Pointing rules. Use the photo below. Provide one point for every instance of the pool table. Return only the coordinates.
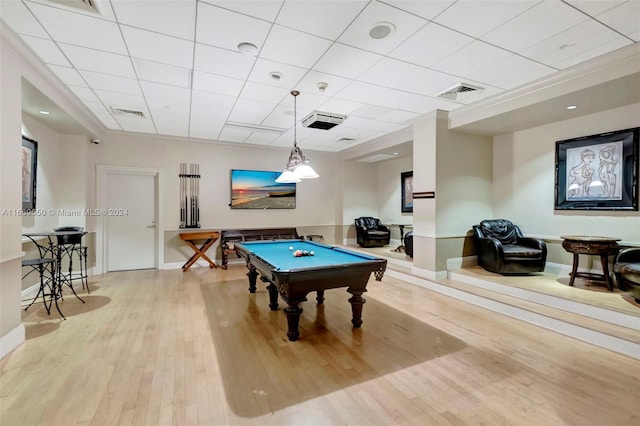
(294, 277)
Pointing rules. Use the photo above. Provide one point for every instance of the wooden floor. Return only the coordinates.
(195, 348)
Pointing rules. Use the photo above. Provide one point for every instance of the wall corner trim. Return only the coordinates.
(12, 340)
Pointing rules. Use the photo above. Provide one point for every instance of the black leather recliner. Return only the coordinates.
(371, 233)
(408, 243)
(502, 248)
(626, 267)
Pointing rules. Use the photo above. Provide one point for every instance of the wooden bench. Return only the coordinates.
(228, 238)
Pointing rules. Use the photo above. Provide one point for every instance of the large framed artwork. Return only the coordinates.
(258, 189)
(406, 182)
(29, 169)
(598, 172)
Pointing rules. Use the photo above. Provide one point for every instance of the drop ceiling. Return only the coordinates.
(177, 62)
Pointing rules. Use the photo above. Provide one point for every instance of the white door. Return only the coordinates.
(130, 216)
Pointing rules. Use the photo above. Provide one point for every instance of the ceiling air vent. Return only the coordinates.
(121, 112)
(86, 5)
(346, 139)
(455, 91)
(323, 120)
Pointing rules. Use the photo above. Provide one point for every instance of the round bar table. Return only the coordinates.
(592, 245)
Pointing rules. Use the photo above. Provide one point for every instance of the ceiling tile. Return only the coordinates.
(262, 92)
(339, 106)
(595, 7)
(113, 83)
(346, 61)
(370, 111)
(470, 59)
(158, 47)
(217, 83)
(293, 47)
(476, 18)
(576, 40)
(289, 75)
(258, 138)
(263, 9)
(399, 117)
(429, 45)
(396, 99)
(212, 100)
(592, 53)
(405, 24)
(20, 19)
(326, 19)
(83, 58)
(223, 28)
(166, 92)
(231, 134)
(280, 117)
(122, 100)
(172, 17)
(223, 62)
(84, 94)
(425, 9)
(510, 70)
(624, 18)
(68, 75)
(78, 29)
(426, 104)
(162, 73)
(250, 112)
(309, 84)
(46, 50)
(538, 23)
(361, 92)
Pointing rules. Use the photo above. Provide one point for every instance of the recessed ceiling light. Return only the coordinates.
(395, 153)
(247, 48)
(381, 30)
(572, 107)
(275, 75)
(43, 112)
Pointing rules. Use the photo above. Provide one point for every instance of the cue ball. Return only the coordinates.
(311, 253)
(290, 247)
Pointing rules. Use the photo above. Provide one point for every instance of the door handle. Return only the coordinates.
(153, 224)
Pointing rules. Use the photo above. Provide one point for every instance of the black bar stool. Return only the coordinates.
(67, 246)
(47, 269)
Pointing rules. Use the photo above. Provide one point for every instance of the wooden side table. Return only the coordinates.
(601, 246)
(208, 237)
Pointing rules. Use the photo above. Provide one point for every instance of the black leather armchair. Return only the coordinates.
(408, 244)
(371, 233)
(502, 248)
(626, 267)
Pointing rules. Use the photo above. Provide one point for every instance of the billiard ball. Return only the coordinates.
(290, 247)
(311, 253)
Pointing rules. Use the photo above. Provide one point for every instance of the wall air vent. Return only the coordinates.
(122, 112)
(323, 120)
(455, 91)
(86, 5)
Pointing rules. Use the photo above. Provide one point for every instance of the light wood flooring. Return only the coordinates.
(172, 348)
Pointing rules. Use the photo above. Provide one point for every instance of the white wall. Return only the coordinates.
(315, 198)
(359, 191)
(524, 179)
(389, 190)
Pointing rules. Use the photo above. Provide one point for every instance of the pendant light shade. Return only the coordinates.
(298, 165)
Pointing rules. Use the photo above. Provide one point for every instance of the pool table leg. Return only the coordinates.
(320, 297)
(273, 297)
(293, 312)
(356, 306)
(253, 275)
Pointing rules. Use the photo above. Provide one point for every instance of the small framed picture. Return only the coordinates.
(29, 169)
(406, 180)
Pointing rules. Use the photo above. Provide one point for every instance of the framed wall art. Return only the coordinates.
(258, 189)
(29, 172)
(598, 172)
(406, 182)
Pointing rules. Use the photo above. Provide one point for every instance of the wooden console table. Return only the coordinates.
(601, 246)
(209, 238)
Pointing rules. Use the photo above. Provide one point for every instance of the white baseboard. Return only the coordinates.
(203, 263)
(12, 340)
